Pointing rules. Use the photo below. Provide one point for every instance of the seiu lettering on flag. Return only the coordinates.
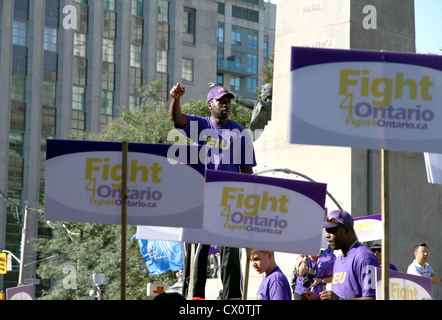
(161, 256)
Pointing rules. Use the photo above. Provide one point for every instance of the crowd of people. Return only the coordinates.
(349, 273)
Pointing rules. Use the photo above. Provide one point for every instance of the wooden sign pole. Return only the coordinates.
(123, 220)
(246, 275)
(386, 224)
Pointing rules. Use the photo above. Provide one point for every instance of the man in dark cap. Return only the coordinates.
(353, 271)
(228, 147)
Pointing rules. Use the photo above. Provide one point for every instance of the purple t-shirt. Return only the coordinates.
(229, 147)
(354, 274)
(274, 286)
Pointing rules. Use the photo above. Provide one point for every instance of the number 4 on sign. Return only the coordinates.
(350, 106)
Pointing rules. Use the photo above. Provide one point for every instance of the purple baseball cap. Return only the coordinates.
(218, 92)
(337, 217)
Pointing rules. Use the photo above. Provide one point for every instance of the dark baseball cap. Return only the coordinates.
(218, 92)
(338, 217)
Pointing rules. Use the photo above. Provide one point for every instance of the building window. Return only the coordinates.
(21, 9)
(78, 122)
(19, 59)
(107, 100)
(137, 30)
(252, 83)
(252, 62)
(252, 41)
(236, 38)
(109, 5)
(80, 71)
(235, 83)
(108, 76)
(220, 78)
(78, 98)
(162, 61)
(51, 13)
(137, 8)
(266, 48)
(79, 44)
(48, 118)
(15, 172)
(135, 55)
(19, 33)
(18, 111)
(134, 101)
(108, 50)
(50, 66)
(16, 144)
(187, 73)
(50, 39)
(189, 21)
(110, 25)
(82, 17)
(136, 78)
(220, 33)
(48, 94)
(246, 14)
(18, 88)
(163, 11)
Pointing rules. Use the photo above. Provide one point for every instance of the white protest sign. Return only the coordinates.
(248, 211)
(366, 99)
(405, 286)
(368, 228)
(83, 184)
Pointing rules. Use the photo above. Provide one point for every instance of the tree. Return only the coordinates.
(78, 250)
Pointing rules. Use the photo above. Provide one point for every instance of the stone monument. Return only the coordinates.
(353, 175)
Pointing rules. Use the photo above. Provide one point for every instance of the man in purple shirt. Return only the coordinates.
(275, 285)
(353, 271)
(228, 147)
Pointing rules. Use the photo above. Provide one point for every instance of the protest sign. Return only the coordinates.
(249, 211)
(83, 184)
(405, 286)
(366, 99)
(368, 228)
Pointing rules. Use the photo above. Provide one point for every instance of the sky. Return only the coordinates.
(428, 25)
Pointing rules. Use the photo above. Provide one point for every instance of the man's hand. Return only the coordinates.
(177, 91)
(328, 295)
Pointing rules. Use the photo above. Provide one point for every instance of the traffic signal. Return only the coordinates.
(3, 262)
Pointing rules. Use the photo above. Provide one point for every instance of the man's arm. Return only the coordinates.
(247, 170)
(434, 278)
(176, 116)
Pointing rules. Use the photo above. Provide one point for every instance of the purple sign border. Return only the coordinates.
(304, 57)
(313, 190)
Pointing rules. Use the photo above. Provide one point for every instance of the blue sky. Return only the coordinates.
(428, 23)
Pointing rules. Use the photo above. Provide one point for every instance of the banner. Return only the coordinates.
(248, 211)
(83, 184)
(161, 256)
(369, 228)
(404, 286)
(366, 99)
